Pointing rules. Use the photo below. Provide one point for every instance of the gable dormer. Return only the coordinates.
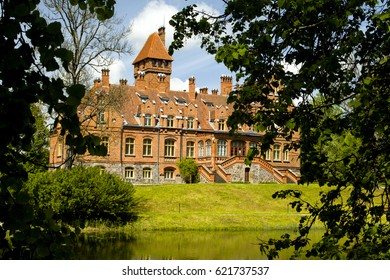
(153, 64)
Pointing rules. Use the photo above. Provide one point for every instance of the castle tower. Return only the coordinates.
(153, 65)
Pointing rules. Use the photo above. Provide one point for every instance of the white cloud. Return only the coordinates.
(293, 68)
(155, 14)
(178, 84)
(117, 71)
(190, 60)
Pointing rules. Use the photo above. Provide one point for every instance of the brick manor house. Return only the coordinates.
(148, 128)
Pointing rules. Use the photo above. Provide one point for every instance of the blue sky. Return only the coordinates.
(145, 17)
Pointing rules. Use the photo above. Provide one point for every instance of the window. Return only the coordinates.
(190, 123)
(100, 116)
(147, 173)
(166, 64)
(222, 146)
(59, 150)
(170, 121)
(208, 148)
(253, 145)
(148, 120)
(191, 149)
(277, 152)
(153, 62)
(129, 147)
(221, 125)
(169, 148)
(102, 169)
(238, 148)
(105, 143)
(286, 154)
(200, 149)
(147, 149)
(268, 154)
(168, 173)
(129, 172)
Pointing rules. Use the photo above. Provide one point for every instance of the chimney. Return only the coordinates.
(191, 87)
(123, 82)
(214, 91)
(161, 33)
(96, 82)
(203, 90)
(226, 84)
(105, 77)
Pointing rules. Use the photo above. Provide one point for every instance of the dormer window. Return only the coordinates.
(148, 120)
(190, 123)
(180, 100)
(100, 117)
(164, 99)
(221, 125)
(170, 121)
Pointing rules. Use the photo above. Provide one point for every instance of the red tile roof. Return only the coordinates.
(153, 48)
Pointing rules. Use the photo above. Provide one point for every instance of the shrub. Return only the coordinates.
(84, 194)
(188, 170)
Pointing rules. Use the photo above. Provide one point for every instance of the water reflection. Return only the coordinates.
(175, 245)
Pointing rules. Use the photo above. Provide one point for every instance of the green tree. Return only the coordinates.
(92, 41)
(82, 195)
(340, 50)
(33, 50)
(188, 170)
(37, 157)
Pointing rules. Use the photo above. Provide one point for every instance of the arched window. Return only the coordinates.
(237, 148)
(191, 149)
(168, 173)
(129, 147)
(59, 150)
(222, 147)
(169, 148)
(147, 173)
(147, 148)
(129, 172)
(286, 154)
(200, 149)
(208, 148)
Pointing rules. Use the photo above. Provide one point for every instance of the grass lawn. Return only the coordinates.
(218, 207)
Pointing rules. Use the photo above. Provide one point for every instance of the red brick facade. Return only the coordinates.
(148, 128)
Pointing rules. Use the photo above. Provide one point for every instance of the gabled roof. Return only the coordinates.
(153, 48)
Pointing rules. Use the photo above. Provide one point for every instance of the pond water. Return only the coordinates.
(161, 245)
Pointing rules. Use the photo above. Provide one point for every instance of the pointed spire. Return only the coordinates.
(154, 48)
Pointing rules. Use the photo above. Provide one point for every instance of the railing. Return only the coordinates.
(292, 175)
(206, 172)
(281, 178)
(223, 173)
